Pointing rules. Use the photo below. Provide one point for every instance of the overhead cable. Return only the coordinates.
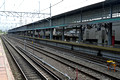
(2, 5)
(52, 5)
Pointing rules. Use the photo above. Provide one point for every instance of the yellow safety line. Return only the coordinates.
(84, 45)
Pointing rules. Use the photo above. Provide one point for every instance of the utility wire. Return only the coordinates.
(2, 5)
(20, 4)
(52, 5)
(57, 4)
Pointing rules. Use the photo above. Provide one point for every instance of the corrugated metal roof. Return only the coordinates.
(46, 27)
(94, 6)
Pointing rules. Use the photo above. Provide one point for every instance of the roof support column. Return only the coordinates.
(80, 35)
(111, 11)
(110, 28)
(81, 17)
(44, 37)
(33, 33)
(30, 34)
(110, 34)
(63, 37)
(27, 33)
(51, 34)
(20, 32)
(38, 33)
(24, 33)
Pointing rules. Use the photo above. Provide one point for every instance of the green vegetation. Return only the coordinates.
(2, 32)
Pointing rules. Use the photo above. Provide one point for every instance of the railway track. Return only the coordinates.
(27, 65)
(86, 57)
(102, 61)
(71, 63)
(27, 70)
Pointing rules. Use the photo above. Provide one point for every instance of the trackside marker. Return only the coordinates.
(76, 74)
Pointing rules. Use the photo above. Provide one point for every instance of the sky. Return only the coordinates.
(36, 6)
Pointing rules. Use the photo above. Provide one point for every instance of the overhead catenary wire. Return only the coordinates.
(2, 4)
(52, 5)
(20, 4)
(58, 3)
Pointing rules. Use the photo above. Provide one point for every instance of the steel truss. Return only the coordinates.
(22, 14)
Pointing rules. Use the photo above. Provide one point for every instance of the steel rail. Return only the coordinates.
(48, 71)
(37, 60)
(39, 50)
(92, 59)
(23, 72)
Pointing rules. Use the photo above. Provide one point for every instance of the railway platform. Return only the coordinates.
(5, 71)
